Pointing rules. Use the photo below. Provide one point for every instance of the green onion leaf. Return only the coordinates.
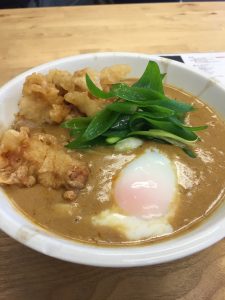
(189, 152)
(112, 139)
(162, 134)
(80, 143)
(192, 128)
(121, 123)
(134, 94)
(160, 111)
(163, 125)
(151, 78)
(95, 91)
(119, 133)
(139, 110)
(178, 106)
(143, 97)
(184, 147)
(101, 122)
(75, 132)
(123, 107)
(163, 75)
(77, 123)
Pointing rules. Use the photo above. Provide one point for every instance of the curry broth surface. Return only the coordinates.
(201, 183)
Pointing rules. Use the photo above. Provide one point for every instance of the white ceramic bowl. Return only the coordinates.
(22, 229)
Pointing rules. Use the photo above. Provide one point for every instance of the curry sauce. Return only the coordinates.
(201, 183)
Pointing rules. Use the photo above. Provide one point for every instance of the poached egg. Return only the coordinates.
(144, 194)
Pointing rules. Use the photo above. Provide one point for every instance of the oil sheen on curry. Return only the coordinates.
(119, 190)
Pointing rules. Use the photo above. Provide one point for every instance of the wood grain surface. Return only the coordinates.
(33, 36)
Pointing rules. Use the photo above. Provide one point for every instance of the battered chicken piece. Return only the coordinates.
(41, 101)
(84, 103)
(80, 97)
(61, 95)
(79, 79)
(113, 74)
(63, 80)
(26, 159)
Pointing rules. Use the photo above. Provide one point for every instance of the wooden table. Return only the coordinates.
(33, 36)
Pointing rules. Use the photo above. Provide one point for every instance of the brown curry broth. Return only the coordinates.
(200, 190)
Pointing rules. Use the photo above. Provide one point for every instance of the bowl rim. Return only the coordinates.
(76, 252)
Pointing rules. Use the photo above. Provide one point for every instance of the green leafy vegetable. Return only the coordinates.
(163, 135)
(95, 91)
(151, 78)
(163, 75)
(135, 94)
(122, 123)
(118, 133)
(101, 122)
(112, 139)
(170, 127)
(160, 111)
(180, 124)
(139, 110)
(123, 107)
(77, 123)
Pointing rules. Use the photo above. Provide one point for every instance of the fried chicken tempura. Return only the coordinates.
(57, 96)
(27, 159)
(41, 101)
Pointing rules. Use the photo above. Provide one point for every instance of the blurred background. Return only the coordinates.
(45, 3)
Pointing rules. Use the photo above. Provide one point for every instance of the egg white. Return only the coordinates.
(133, 228)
